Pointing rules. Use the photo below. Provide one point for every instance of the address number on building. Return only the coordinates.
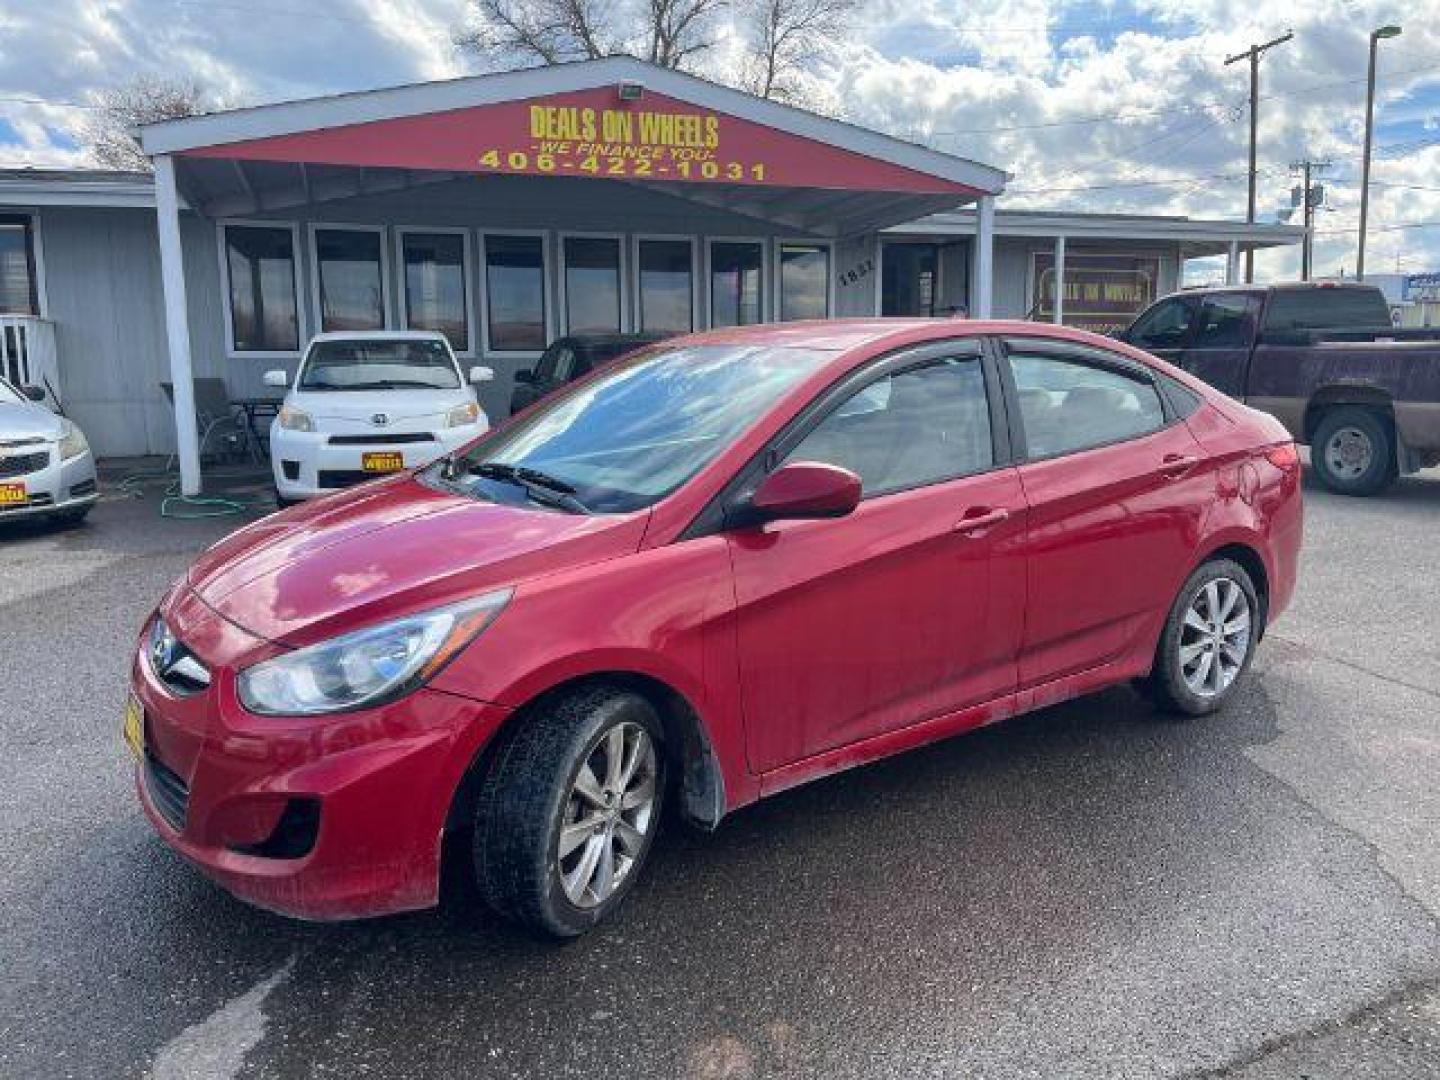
(524, 161)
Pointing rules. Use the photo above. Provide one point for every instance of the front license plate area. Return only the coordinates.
(382, 462)
(133, 727)
(13, 493)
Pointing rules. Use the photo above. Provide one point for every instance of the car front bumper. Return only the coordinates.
(307, 464)
(373, 789)
(56, 487)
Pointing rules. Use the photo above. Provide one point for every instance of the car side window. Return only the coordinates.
(1226, 321)
(1067, 404)
(913, 427)
(1164, 326)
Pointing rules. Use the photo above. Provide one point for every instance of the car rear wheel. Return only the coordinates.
(568, 810)
(1208, 641)
(1353, 452)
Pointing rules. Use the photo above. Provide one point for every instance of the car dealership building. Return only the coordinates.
(508, 210)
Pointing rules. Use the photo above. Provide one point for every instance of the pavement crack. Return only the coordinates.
(1391, 679)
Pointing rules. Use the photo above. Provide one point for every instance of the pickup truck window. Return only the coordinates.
(1227, 321)
(1327, 309)
(1164, 326)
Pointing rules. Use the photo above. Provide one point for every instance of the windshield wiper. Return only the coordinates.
(541, 487)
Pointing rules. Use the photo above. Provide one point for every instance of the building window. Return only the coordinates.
(18, 291)
(804, 281)
(667, 286)
(260, 261)
(909, 279)
(737, 283)
(436, 290)
(515, 293)
(592, 285)
(351, 279)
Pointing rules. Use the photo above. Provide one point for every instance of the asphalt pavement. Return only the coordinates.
(1090, 891)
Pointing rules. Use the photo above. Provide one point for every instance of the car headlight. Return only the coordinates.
(72, 442)
(369, 666)
(462, 415)
(293, 419)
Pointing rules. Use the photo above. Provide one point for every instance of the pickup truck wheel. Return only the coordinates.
(1353, 451)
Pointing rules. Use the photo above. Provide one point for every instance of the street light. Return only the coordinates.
(1375, 36)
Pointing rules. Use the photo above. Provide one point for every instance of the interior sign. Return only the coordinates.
(623, 142)
(1103, 292)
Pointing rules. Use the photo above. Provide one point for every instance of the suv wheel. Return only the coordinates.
(568, 810)
(1353, 451)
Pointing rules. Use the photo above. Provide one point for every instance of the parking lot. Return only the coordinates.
(1090, 891)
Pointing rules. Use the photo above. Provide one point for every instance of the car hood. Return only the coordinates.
(388, 549)
(28, 421)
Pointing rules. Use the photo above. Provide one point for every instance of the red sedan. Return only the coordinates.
(716, 569)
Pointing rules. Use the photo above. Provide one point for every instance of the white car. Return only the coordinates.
(45, 463)
(368, 403)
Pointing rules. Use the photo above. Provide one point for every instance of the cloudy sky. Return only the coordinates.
(1123, 106)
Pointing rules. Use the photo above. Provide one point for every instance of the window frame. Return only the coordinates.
(777, 284)
(637, 320)
(622, 276)
(482, 292)
(1085, 356)
(29, 220)
(467, 268)
(767, 277)
(312, 230)
(715, 516)
(302, 321)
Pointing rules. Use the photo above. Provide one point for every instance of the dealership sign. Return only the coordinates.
(1101, 292)
(593, 133)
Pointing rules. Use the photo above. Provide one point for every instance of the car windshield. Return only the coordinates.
(379, 365)
(9, 395)
(636, 432)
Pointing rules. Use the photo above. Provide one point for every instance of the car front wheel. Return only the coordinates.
(568, 810)
(1208, 640)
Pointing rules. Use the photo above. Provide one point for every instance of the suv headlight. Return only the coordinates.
(463, 414)
(72, 442)
(367, 667)
(293, 419)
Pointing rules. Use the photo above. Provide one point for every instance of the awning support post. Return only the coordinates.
(984, 256)
(177, 323)
(1059, 280)
(1232, 264)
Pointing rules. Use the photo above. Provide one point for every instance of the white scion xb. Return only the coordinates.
(366, 403)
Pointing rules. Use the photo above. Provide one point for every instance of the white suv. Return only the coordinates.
(369, 403)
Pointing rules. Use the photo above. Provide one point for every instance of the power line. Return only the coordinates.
(1385, 228)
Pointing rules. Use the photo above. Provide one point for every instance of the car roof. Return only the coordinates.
(379, 335)
(875, 334)
(1279, 286)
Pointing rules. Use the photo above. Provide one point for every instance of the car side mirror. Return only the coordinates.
(803, 490)
(34, 393)
(277, 378)
(480, 373)
(525, 375)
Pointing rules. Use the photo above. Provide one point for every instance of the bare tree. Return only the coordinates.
(108, 134)
(665, 32)
(786, 37)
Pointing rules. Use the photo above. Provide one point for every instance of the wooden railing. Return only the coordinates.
(28, 356)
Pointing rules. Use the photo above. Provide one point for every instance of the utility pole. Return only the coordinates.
(1376, 36)
(1254, 53)
(1311, 196)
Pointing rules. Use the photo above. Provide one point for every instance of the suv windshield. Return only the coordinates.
(636, 432)
(379, 365)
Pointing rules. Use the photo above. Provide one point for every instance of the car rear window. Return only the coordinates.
(1326, 309)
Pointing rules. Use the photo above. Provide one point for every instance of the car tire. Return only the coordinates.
(1182, 681)
(545, 838)
(1353, 451)
(282, 503)
(71, 519)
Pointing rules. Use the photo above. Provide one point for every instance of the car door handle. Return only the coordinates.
(979, 518)
(1177, 465)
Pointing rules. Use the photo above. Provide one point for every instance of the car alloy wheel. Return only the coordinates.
(608, 815)
(1349, 453)
(1214, 640)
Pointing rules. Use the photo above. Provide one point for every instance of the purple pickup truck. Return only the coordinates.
(1323, 359)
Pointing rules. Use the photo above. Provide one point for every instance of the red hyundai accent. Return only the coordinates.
(709, 572)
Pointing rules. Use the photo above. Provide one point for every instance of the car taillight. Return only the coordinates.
(1284, 456)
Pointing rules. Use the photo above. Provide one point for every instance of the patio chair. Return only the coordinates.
(215, 418)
